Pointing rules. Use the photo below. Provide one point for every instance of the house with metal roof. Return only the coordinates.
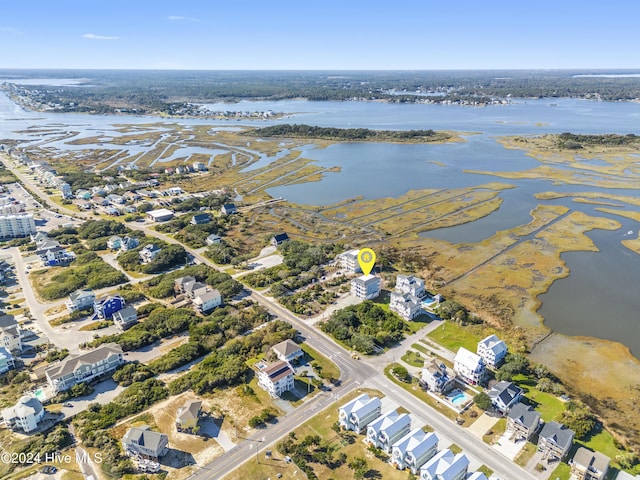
(470, 367)
(492, 350)
(414, 450)
(358, 413)
(384, 431)
(445, 466)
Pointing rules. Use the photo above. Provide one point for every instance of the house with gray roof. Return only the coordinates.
(386, 430)
(445, 466)
(125, 318)
(206, 300)
(522, 422)
(626, 476)
(555, 441)
(589, 465)
(359, 412)
(10, 334)
(143, 442)
(7, 362)
(436, 377)
(492, 350)
(24, 415)
(414, 450)
(80, 300)
(83, 368)
(505, 395)
(289, 351)
(188, 415)
(213, 239)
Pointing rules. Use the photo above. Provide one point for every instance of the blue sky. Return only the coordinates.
(326, 34)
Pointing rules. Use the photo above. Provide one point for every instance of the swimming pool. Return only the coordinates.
(458, 398)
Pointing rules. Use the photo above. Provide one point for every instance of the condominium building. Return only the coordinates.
(366, 287)
(15, 226)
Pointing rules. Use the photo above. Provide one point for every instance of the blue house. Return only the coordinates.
(106, 307)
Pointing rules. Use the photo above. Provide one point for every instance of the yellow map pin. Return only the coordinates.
(366, 260)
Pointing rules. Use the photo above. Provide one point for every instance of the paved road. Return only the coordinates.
(354, 373)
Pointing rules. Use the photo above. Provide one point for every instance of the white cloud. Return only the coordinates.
(92, 36)
(177, 18)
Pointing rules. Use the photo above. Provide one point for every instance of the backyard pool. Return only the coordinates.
(458, 398)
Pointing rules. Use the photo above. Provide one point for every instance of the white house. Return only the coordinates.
(414, 450)
(470, 367)
(437, 377)
(410, 284)
(7, 362)
(477, 476)
(492, 350)
(80, 300)
(149, 253)
(207, 301)
(445, 465)
(358, 413)
(384, 431)
(505, 395)
(406, 305)
(288, 351)
(366, 287)
(349, 261)
(24, 415)
(84, 368)
(213, 239)
(10, 334)
(276, 378)
(160, 215)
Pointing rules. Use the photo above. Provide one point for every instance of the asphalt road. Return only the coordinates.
(354, 373)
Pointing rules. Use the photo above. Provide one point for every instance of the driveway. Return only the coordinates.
(508, 447)
(103, 393)
(482, 425)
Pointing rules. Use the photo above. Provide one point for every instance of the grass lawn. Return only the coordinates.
(486, 470)
(413, 358)
(453, 336)
(495, 432)
(562, 472)
(420, 348)
(549, 406)
(602, 441)
(329, 369)
(526, 454)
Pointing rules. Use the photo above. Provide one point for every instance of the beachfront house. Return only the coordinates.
(522, 422)
(445, 465)
(505, 395)
(384, 431)
(366, 287)
(414, 450)
(149, 253)
(358, 413)
(492, 350)
(436, 377)
(470, 367)
(589, 465)
(555, 441)
(105, 307)
(80, 300)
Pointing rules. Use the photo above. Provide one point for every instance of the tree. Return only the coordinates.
(360, 467)
(401, 373)
(483, 401)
